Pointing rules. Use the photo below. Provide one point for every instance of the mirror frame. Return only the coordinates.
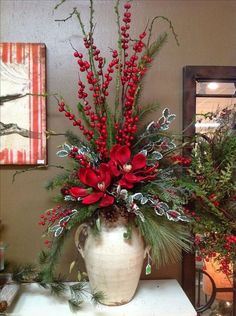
(190, 75)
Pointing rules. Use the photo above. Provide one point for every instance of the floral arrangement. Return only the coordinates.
(214, 175)
(118, 168)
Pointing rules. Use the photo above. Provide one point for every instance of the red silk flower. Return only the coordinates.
(98, 180)
(132, 170)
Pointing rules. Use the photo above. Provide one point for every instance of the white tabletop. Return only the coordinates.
(153, 298)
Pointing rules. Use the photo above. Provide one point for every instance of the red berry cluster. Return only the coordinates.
(131, 72)
(53, 215)
(225, 265)
(191, 214)
(181, 160)
(87, 133)
(213, 200)
(82, 159)
(101, 140)
(124, 34)
(230, 242)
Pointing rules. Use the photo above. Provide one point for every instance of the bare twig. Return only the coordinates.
(59, 4)
(170, 25)
(69, 17)
(36, 168)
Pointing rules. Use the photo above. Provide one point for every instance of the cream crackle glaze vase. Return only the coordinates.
(113, 263)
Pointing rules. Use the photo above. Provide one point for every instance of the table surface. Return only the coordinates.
(153, 298)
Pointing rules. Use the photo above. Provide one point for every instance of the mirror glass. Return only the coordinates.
(212, 97)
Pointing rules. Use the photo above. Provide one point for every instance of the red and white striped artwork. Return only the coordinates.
(22, 106)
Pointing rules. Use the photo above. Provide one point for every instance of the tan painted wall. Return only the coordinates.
(207, 33)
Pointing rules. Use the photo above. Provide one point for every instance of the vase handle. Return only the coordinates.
(83, 227)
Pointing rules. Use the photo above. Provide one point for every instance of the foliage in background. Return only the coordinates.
(213, 169)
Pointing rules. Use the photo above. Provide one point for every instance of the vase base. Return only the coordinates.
(122, 302)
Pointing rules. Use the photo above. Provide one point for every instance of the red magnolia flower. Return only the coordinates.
(132, 170)
(98, 180)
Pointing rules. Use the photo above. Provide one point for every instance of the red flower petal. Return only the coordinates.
(129, 177)
(139, 162)
(125, 184)
(114, 150)
(78, 192)
(113, 168)
(91, 178)
(105, 174)
(123, 155)
(106, 200)
(93, 198)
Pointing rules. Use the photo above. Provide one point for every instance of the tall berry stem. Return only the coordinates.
(118, 72)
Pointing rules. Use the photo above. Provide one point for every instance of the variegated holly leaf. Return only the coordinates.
(69, 198)
(173, 215)
(164, 127)
(54, 228)
(62, 153)
(162, 121)
(58, 231)
(64, 220)
(171, 118)
(150, 125)
(166, 112)
(161, 208)
(171, 145)
(156, 155)
(144, 200)
(144, 152)
(137, 196)
(67, 147)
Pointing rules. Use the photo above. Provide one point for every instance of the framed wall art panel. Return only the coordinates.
(22, 104)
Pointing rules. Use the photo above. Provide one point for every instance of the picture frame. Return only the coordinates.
(23, 104)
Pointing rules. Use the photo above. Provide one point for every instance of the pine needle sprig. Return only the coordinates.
(24, 273)
(165, 238)
(75, 305)
(97, 297)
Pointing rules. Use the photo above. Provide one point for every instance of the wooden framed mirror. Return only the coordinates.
(202, 84)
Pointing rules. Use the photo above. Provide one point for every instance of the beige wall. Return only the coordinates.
(207, 35)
